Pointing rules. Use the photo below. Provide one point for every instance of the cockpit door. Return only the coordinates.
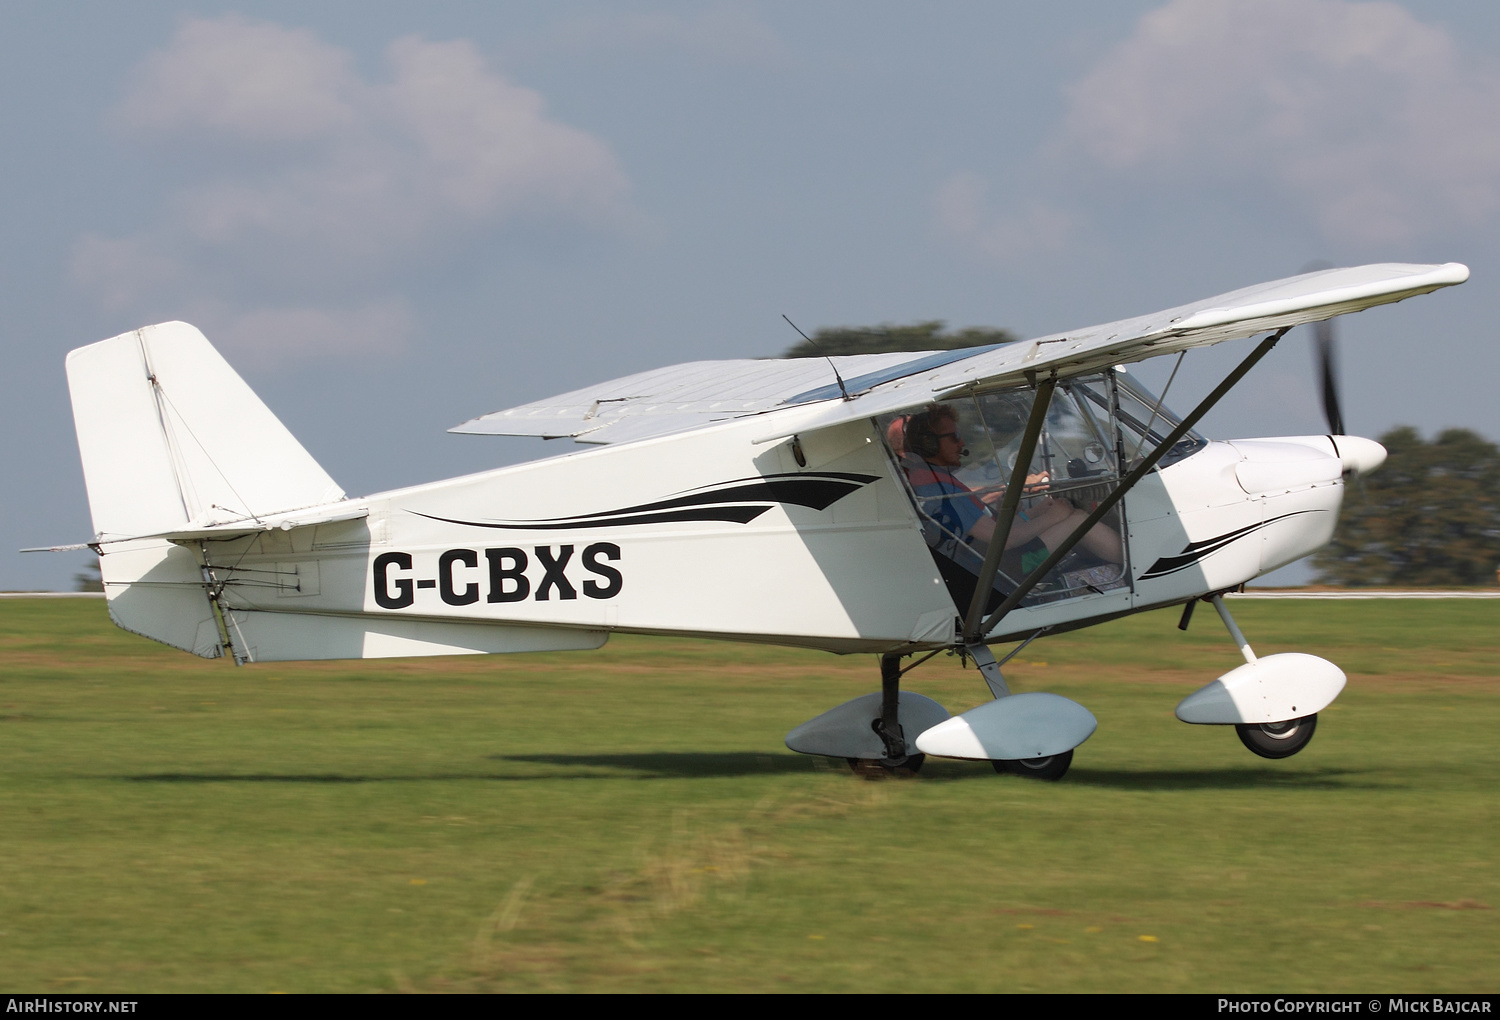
(957, 458)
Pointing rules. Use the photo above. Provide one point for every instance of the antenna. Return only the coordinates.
(842, 388)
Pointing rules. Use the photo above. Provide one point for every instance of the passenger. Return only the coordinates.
(1040, 525)
(895, 435)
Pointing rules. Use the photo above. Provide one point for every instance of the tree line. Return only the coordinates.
(1430, 516)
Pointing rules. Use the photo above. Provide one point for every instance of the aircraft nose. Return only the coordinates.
(1359, 456)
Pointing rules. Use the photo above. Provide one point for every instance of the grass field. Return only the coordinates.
(629, 820)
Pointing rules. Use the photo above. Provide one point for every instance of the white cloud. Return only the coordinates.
(1357, 118)
(250, 82)
(312, 190)
(1377, 125)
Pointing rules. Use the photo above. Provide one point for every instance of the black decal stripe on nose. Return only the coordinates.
(733, 502)
(1195, 551)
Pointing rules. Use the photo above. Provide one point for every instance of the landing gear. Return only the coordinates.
(888, 728)
(1051, 768)
(892, 733)
(1279, 739)
(1290, 687)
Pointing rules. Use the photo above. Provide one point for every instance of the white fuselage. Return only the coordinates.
(709, 533)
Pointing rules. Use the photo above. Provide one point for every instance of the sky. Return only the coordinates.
(391, 218)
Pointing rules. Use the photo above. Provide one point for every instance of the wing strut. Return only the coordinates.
(1012, 502)
(1108, 504)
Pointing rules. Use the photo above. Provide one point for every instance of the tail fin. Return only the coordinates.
(172, 438)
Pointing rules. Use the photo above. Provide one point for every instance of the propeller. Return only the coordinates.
(1328, 375)
(1360, 456)
(1325, 355)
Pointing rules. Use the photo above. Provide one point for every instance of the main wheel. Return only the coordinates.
(881, 768)
(1278, 739)
(1051, 768)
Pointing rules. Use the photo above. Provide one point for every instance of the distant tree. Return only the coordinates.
(1429, 516)
(89, 579)
(888, 337)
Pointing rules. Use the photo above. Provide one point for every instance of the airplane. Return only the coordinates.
(916, 503)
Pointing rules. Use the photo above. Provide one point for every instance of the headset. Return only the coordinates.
(921, 438)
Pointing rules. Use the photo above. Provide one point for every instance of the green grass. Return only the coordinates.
(629, 820)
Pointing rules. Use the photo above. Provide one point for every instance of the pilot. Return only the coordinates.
(931, 438)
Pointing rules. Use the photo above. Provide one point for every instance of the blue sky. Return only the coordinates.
(392, 218)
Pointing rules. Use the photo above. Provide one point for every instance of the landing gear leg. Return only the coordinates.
(1234, 629)
(888, 727)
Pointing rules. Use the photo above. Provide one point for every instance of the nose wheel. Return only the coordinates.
(1278, 739)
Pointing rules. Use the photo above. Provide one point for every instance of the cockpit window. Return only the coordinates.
(1145, 423)
(957, 458)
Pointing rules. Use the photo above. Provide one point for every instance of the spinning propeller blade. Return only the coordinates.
(1328, 376)
(1326, 357)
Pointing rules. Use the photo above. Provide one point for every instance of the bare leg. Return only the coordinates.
(1042, 517)
(1053, 520)
(1103, 542)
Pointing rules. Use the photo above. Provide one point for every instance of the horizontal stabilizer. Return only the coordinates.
(270, 522)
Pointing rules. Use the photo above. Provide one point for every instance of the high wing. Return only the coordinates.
(797, 395)
(680, 397)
